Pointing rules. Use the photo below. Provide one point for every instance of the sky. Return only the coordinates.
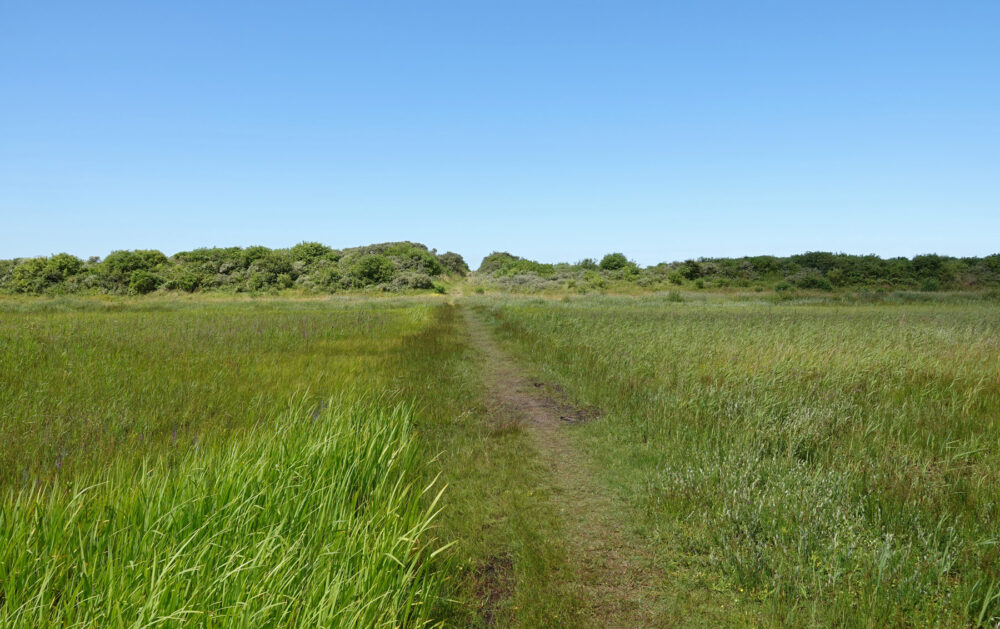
(553, 130)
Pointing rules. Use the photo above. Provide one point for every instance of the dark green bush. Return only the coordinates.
(690, 270)
(614, 261)
(373, 269)
(142, 282)
(496, 261)
(454, 264)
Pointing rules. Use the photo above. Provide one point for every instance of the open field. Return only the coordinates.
(492, 461)
(832, 465)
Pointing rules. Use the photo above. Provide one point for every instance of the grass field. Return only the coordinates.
(827, 464)
(221, 463)
(344, 462)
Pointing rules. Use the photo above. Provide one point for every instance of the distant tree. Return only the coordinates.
(690, 270)
(143, 282)
(309, 251)
(373, 269)
(496, 261)
(453, 263)
(119, 265)
(614, 261)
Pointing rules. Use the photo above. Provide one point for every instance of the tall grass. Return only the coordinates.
(155, 474)
(318, 523)
(836, 465)
(84, 380)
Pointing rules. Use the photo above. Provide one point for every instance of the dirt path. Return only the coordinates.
(610, 572)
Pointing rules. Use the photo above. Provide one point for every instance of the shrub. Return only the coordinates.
(409, 280)
(454, 264)
(614, 261)
(143, 282)
(811, 278)
(373, 269)
(690, 270)
(122, 263)
(496, 261)
(587, 264)
(309, 251)
(28, 276)
(186, 281)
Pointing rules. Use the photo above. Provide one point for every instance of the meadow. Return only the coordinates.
(216, 463)
(339, 461)
(826, 464)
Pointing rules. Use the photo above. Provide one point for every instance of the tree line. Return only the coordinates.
(814, 270)
(310, 266)
(399, 266)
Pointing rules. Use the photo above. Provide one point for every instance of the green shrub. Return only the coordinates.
(690, 270)
(311, 251)
(142, 282)
(408, 280)
(121, 264)
(373, 269)
(454, 264)
(811, 278)
(496, 261)
(614, 261)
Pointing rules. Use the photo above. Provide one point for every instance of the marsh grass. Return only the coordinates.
(318, 524)
(156, 473)
(85, 379)
(833, 464)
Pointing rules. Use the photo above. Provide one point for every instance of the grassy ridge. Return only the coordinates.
(830, 465)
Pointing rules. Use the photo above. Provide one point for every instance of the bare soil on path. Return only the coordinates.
(610, 575)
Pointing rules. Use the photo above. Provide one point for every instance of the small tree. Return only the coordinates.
(143, 282)
(374, 269)
(454, 263)
(614, 261)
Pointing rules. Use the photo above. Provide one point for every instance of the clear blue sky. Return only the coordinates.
(554, 130)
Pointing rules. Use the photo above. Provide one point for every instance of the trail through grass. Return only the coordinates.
(830, 465)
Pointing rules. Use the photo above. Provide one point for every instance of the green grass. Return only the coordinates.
(828, 464)
(318, 524)
(84, 380)
(222, 463)
(278, 462)
(507, 536)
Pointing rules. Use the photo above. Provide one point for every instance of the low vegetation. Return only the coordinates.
(813, 271)
(310, 267)
(828, 465)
